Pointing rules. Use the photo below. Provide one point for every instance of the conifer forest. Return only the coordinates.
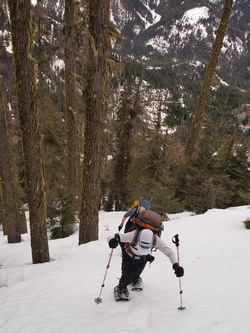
(90, 123)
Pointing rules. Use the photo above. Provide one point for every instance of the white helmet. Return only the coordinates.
(144, 244)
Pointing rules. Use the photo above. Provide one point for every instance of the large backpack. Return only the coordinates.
(146, 219)
(149, 220)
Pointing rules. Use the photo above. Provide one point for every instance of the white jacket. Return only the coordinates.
(159, 245)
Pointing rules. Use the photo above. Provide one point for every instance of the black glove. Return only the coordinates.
(114, 241)
(120, 227)
(178, 270)
(150, 258)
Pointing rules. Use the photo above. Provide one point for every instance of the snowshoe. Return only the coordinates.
(137, 284)
(121, 294)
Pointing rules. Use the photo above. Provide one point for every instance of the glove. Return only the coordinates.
(120, 227)
(178, 270)
(114, 241)
(150, 258)
(143, 260)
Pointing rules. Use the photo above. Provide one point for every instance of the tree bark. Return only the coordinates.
(7, 174)
(22, 219)
(95, 95)
(205, 89)
(41, 84)
(23, 30)
(72, 130)
(122, 157)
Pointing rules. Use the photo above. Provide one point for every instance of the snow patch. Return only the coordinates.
(193, 16)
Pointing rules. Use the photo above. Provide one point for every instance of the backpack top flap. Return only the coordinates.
(144, 243)
(150, 220)
(145, 203)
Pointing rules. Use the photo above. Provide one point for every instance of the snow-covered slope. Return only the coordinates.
(59, 296)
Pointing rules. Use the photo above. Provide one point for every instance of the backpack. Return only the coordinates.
(138, 206)
(145, 204)
(146, 219)
(149, 220)
(143, 242)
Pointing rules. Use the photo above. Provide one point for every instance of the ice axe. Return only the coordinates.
(176, 241)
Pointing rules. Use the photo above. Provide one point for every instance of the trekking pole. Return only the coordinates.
(98, 300)
(176, 241)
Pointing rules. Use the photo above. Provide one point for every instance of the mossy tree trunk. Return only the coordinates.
(71, 114)
(42, 98)
(95, 96)
(8, 180)
(209, 75)
(23, 30)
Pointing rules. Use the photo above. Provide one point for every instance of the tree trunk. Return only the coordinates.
(205, 89)
(41, 84)
(11, 217)
(4, 226)
(122, 159)
(72, 125)
(95, 95)
(23, 31)
(22, 219)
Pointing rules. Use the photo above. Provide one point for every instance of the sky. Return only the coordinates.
(59, 296)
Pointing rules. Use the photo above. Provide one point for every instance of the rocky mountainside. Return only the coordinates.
(170, 41)
(159, 31)
(172, 31)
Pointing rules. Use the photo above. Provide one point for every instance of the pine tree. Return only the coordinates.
(61, 214)
(23, 31)
(96, 99)
(233, 163)
(208, 184)
(50, 100)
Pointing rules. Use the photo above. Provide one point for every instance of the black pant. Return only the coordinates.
(131, 268)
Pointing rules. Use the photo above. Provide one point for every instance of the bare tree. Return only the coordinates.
(23, 31)
(205, 89)
(95, 95)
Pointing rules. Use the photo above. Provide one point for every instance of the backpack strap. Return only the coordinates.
(137, 211)
(135, 239)
(154, 241)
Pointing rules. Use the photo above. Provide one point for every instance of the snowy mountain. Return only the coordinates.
(59, 296)
(171, 41)
(167, 30)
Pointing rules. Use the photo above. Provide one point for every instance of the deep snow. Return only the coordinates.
(59, 296)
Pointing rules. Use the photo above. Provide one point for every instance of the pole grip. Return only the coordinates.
(176, 240)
